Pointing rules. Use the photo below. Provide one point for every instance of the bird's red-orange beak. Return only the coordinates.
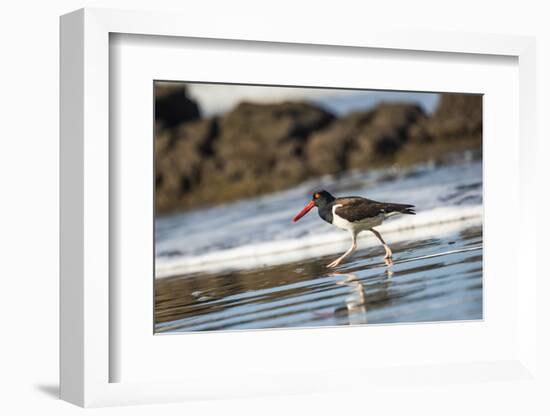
(303, 212)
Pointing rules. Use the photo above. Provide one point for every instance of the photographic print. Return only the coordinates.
(293, 207)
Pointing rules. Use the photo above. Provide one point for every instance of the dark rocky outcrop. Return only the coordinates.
(259, 141)
(455, 125)
(362, 139)
(251, 150)
(172, 105)
(458, 116)
(260, 148)
(179, 160)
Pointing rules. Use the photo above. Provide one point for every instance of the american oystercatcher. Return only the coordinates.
(354, 214)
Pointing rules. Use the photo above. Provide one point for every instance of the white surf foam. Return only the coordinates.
(439, 222)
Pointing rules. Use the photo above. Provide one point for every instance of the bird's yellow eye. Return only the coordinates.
(317, 196)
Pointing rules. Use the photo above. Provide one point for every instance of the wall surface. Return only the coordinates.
(29, 209)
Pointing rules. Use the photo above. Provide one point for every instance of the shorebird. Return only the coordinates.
(355, 214)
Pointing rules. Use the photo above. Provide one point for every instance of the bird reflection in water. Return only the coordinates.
(355, 309)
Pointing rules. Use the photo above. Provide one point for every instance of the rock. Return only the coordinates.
(253, 149)
(264, 143)
(456, 125)
(179, 161)
(328, 150)
(458, 116)
(172, 104)
(463, 106)
(361, 139)
(384, 135)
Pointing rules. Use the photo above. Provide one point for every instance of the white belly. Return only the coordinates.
(356, 226)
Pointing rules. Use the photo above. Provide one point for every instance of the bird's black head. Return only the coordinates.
(321, 198)
(318, 199)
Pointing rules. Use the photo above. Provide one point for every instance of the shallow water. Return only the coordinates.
(436, 279)
(246, 266)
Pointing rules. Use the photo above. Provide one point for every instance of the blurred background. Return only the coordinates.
(219, 143)
(235, 163)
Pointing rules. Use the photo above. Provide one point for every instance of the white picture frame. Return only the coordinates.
(87, 301)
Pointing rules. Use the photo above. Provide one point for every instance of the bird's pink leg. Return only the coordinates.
(386, 247)
(347, 253)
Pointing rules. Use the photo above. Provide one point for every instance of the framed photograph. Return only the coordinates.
(273, 214)
(232, 163)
